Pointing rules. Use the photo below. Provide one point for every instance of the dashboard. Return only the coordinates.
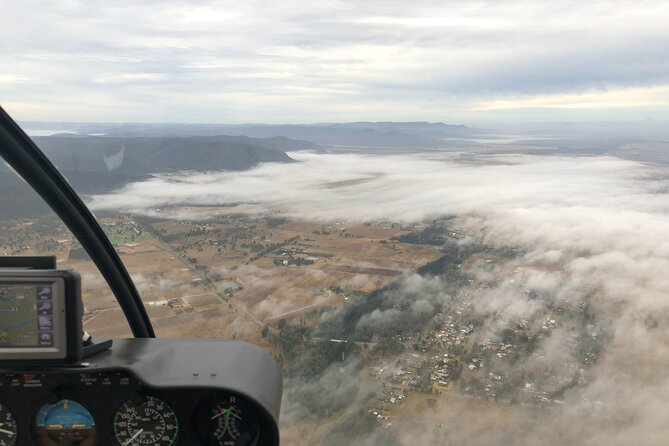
(145, 392)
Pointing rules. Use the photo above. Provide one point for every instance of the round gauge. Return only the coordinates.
(8, 428)
(146, 422)
(231, 420)
(66, 423)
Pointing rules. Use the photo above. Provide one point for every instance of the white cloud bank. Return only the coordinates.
(413, 187)
(596, 226)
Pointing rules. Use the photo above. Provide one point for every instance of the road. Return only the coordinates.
(317, 304)
(219, 293)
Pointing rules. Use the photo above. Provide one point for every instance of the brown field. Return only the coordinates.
(181, 269)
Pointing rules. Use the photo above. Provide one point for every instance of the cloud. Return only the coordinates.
(221, 61)
(630, 97)
(586, 229)
(153, 288)
(131, 77)
(413, 187)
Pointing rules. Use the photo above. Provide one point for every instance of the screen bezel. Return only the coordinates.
(59, 349)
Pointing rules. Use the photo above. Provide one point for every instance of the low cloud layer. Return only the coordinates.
(589, 226)
(413, 187)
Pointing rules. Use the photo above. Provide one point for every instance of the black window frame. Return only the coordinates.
(28, 161)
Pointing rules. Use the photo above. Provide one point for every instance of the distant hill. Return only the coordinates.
(274, 141)
(103, 162)
(370, 135)
(398, 135)
(98, 164)
(17, 199)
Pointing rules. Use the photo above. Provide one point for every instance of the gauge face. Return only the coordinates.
(66, 423)
(232, 421)
(8, 429)
(148, 422)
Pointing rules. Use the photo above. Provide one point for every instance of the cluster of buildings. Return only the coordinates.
(509, 366)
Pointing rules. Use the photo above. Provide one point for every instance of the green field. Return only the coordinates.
(120, 235)
(18, 319)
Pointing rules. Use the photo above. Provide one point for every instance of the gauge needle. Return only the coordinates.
(134, 437)
(220, 413)
(5, 431)
(226, 413)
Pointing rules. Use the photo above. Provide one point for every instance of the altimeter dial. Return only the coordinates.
(8, 428)
(150, 421)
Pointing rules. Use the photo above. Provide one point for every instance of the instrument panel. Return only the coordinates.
(98, 406)
(87, 409)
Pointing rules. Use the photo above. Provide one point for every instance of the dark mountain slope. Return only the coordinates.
(143, 156)
(372, 135)
(94, 164)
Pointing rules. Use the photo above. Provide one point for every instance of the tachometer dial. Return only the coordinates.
(8, 429)
(150, 421)
(66, 423)
(231, 420)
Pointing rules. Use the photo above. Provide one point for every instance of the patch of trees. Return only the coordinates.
(435, 234)
(389, 347)
(49, 245)
(292, 261)
(290, 338)
(345, 324)
(273, 247)
(319, 355)
(253, 246)
(509, 336)
(190, 233)
(448, 265)
(274, 222)
(304, 357)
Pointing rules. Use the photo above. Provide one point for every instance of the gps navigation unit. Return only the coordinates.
(40, 316)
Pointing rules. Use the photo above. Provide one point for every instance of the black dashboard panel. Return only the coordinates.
(147, 391)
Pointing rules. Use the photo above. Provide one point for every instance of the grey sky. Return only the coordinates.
(315, 61)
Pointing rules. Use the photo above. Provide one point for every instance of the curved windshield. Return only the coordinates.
(29, 228)
(449, 223)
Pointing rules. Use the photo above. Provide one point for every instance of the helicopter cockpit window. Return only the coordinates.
(448, 222)
(28, 227)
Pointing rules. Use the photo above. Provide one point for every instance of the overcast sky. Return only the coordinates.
(320, 60)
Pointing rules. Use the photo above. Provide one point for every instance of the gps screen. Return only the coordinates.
(26, 315)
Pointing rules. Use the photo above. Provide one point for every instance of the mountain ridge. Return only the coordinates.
(100, 164)
(369, 134)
